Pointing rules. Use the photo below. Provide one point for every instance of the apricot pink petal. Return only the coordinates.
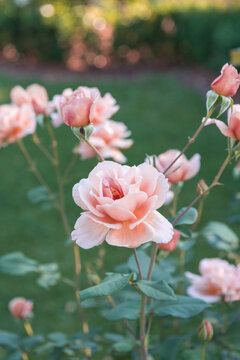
(116, 212)
(83, 198)
(228, 82)
(19, 96)
(194, 166)
(88, 233)
(221, 126)
(193, 292)
(155, 228)
(234, 124)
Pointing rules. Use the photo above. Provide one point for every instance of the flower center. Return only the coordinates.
(112, 189)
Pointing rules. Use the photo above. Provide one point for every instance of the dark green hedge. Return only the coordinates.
(195, 36)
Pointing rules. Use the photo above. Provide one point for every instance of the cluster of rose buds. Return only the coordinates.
(218, 280)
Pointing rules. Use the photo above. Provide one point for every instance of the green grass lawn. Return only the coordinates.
(161, 112)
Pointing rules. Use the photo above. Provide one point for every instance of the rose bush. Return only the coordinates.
(134, 207)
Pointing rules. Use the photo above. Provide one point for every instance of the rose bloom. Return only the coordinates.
(86, 106)
(173, 243)
(119, 204)
(182, 170)
(228, 82)
(34, 94)
(21, 308)
(108, 138)
(231, 130)
(16, 122)
(218, 279)
(54, 109)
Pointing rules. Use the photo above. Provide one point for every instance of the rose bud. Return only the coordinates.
(172, 244)
(205, 331)
(228, 82)
(20, 308)
(76, 108)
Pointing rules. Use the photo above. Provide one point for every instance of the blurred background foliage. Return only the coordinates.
(100, 33)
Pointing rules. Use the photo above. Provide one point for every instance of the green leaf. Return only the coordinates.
(156, 290)
(226, 102)
(124, 345)
(111, 337)
(220, 236)
(32, 341)
(59, 339)
(48, 279)
(17, 264)
(183, 307)
(9, 340)
(188, 218)
(16, 355)
(126, 310)
(108, 286)
(211, 99)
(186, 244)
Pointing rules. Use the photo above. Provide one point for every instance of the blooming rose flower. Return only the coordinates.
(34, 94)
(228, 82)
(20, 308)
(108, 138)
(233, 119)
(86, 106)
(16, 122)
(182, 170)
(54, 109)
(120, 205)
(218, 279)
(172, 245)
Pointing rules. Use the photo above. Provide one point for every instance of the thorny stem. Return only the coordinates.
(70, 166)
(62, 210)
(191, 139)
(138, 264)
(38, 143)
(35, 171)
(99, 156)
(203, 352)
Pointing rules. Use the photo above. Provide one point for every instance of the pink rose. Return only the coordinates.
(16, 122)
(218, 279)
(228, 82)
(34, 94)
(20, 308)
(54, 109)
(182, 170)
(108, 138)
(86, 106)
(173, 243)
(120, 205)
(103, 109)
(233, 128)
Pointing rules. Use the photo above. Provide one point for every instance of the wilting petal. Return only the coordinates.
(88, 233)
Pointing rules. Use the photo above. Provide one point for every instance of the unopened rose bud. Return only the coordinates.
(228, 82)
(20, 308)
(205, 331)
(201, 186)
(172, 244)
